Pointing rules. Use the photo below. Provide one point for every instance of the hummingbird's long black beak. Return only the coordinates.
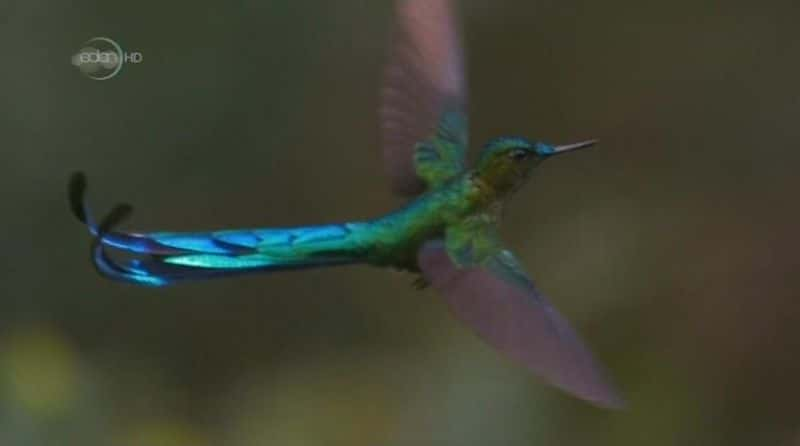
(570, 147)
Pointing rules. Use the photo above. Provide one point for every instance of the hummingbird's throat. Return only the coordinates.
(501, 184)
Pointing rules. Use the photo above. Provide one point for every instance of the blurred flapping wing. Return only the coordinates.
(499, 302)
(424, 93)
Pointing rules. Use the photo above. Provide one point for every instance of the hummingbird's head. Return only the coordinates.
(506, 162)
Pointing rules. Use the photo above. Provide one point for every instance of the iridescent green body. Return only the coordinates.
(394, 239)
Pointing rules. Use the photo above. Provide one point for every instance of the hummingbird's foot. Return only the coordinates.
(421, 283)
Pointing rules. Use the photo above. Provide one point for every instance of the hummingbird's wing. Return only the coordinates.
(499, 302)
(474, 240)
(423, 118)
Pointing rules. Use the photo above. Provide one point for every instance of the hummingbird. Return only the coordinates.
(446, 234)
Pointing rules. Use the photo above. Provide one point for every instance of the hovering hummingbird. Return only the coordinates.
(447, 232)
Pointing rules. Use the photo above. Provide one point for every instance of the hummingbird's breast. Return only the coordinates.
(396, 237)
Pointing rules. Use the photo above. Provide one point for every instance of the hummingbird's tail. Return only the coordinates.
(166, 258)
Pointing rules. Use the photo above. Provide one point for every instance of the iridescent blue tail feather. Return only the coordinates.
(168, 258)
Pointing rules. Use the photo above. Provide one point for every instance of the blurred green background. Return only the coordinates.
(672, 246)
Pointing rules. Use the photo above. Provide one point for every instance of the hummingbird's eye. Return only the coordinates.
(518, 154)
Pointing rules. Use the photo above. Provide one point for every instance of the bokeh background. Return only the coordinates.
(672, 246)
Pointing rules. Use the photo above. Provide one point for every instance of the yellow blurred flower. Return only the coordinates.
(41, 371)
